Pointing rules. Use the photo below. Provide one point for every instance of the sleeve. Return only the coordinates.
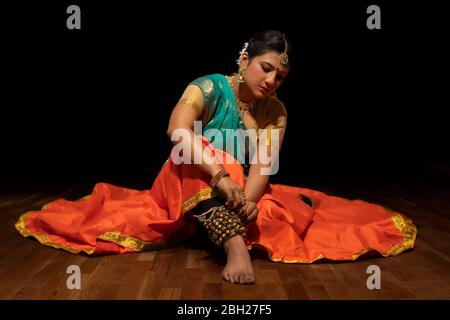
(199, 95)
(193, 98)
(277, 120)
(206, 86)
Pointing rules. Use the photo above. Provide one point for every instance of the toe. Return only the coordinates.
(249, 278)
(241, 278)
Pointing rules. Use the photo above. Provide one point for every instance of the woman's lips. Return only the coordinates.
(264, 90)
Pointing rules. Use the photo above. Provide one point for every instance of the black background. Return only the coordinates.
(96, 102)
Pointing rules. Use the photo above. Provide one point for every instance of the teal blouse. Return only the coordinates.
(222, 118)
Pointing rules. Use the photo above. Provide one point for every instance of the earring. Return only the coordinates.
(241, 75)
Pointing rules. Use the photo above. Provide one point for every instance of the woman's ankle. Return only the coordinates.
(234, 243)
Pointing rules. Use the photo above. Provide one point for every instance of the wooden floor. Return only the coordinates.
(29, 270)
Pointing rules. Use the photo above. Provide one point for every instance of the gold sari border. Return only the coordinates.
(141, 245)
(201, 195)
(131, 242)
(116, 237)
(112, 236)
(43, 239)
(20, 225)
(400, 221)
(409, 231)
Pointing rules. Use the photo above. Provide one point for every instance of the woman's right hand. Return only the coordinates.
(233, 192)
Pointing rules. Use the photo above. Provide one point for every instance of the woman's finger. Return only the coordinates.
(252, 216)
(229, 201)
(242, 210)
(238, 199)
(246, 210)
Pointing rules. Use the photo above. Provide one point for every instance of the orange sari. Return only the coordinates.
(116, 220)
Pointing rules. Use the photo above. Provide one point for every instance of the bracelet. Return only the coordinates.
(219, 175)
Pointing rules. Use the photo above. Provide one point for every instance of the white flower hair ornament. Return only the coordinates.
(243, 50)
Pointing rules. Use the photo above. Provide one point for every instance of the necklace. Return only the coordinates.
(244, 107)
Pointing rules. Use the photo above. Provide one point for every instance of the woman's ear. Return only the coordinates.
(244, 60)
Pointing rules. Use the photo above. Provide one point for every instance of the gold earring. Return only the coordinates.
(241, 75)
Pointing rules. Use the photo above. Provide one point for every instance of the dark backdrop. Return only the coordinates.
(95, 102)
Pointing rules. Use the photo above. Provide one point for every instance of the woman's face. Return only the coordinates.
(264, 74)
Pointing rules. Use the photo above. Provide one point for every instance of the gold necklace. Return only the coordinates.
(244, 107)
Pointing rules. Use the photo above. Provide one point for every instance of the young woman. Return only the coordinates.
(227, 132)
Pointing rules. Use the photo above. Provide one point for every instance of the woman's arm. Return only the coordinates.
(258, 177)
(188, 109)
(256, 182)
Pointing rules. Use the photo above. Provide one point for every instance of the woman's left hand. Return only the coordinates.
(248, 212)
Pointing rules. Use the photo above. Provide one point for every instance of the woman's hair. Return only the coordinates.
(270, 40)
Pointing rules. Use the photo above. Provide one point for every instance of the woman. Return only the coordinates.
(218, 175)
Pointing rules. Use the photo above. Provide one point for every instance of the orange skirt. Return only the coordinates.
(115, 220)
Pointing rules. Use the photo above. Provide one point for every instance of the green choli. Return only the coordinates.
(222, 118)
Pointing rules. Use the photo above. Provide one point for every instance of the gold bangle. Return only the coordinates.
(219, 175)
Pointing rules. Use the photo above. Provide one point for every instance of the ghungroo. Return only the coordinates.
(221, 224)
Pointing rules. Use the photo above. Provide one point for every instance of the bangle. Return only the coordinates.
(219, 175)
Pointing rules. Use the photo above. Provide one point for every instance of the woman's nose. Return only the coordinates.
(270, 81)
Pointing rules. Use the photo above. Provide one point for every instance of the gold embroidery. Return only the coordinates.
(21, 227)
(409, 231)
(401, 222)
(359, 254)
(193, 97)
(207, 86)
(320, 256)
(203, 194)
(140, 245)
(404, 224)
(221, 224)
(113, 236)
(131, 242)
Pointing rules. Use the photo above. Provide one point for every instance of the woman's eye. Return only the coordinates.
(265, 68)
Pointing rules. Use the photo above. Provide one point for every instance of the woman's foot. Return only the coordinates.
(239, 267)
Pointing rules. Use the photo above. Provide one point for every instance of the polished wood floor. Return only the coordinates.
(29, 270)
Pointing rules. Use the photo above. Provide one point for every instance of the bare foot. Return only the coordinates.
(239, 266)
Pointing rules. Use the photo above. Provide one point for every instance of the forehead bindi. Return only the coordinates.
(273, 60)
